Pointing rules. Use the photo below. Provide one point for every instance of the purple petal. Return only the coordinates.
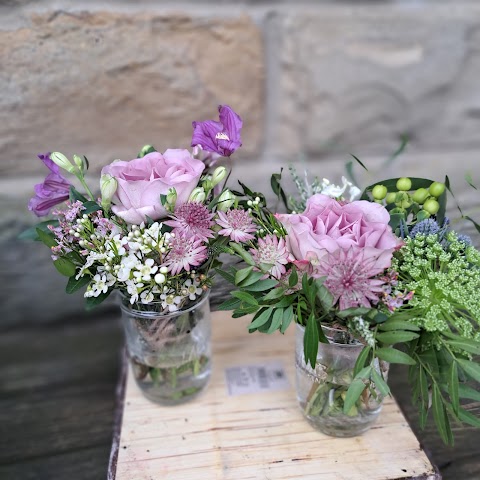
(45, 158)
(204, 134)
(232, 123)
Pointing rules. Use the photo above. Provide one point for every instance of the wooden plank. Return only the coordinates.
(257, 435)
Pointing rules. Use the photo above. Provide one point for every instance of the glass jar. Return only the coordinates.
(169, 352)
(321, 391)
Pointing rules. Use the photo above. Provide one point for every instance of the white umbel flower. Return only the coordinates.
(193, 289)
(146, 270)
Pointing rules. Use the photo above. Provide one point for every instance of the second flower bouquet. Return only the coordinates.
(368, 282)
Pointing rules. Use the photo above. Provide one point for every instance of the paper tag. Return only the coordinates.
(256, 378)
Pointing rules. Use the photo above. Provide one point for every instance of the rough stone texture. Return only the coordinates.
(354, 78)
(104, 84)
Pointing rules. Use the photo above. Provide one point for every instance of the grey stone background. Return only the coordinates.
(313, 81)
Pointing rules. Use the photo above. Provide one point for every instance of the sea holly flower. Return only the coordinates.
(237, 224)
(55, 189)
(221, 137)
(192, 219)
(272, 251)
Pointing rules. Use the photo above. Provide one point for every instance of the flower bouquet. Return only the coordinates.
(368, 282)
(154, 234)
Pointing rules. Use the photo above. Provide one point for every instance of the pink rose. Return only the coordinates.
(142, 180)
(327, 225)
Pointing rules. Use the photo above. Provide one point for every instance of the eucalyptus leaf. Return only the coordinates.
(310, 341)
(393, 337)
(393, 355)
(287, 318)
(353, 394)
(262, 317)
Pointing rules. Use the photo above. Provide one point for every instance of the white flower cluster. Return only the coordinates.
(133, 263)
(359, 325)
(337, 191)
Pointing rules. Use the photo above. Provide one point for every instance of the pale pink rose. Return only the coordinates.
(142, 180)
(327, 225)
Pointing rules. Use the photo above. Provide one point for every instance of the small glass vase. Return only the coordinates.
(169, 352)
(321, 391)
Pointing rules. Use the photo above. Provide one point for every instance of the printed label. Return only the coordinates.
(256, 378)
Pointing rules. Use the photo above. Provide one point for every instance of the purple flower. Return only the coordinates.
(54, 189)
(237, 224)
(221, 137)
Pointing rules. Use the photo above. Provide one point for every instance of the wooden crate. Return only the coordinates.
(260, 435)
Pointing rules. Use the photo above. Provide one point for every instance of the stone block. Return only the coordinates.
(105, 83)
(355, 78)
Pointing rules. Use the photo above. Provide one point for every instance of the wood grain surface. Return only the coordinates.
(260, 435)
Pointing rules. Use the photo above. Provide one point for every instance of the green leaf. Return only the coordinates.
(359, 162)
(31, 233)
(242, 275)
(286, 301)
(293, 279)
(353, 394)
(227, 275)
(261, 318)
(92, 302)
(392, 355)
(230, 304)
(440, 416)
(361, 360)
(274, 294)
(453, 387)
(251, 279)
(242, 253)
(466, 417)
(241, 312)
(423, 390)
(245, 297)
(76, 196)
(46, 238)
(393, 324)
(350, 312)
(465, 344)
(73, 285)
(399, 336)
(465, 391)
(325, 297)
(91, 207)
(472, 369)
(380, 318)
(380, 383)
(65, 266)
(261, 285)
(287, 318)
(310, 341)
(276, 320)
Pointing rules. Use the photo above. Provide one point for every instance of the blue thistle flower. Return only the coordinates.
(425, 227)
(465, 239)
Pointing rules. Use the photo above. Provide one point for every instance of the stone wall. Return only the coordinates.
(313, 80)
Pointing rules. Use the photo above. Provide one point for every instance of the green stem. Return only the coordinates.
(81, 179)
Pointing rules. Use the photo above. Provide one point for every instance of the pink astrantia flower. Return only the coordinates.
(237, 224)
(192, 219)
(272, 251)
(184, 254)
(351, 276)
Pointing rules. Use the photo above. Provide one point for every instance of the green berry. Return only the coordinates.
(420, 195)
(431, 206)
(397, 210)
(404, 184)
(436, 189)
(379, 192)
(390, 198)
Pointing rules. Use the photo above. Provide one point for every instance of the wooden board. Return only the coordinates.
(257, 435)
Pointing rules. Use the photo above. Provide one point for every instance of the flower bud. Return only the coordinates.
(218, 175)
(225, 201)
(145, 150)
(172, 197)
(81, 163)
(197, 195)
(62, 161)
(108, 187)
